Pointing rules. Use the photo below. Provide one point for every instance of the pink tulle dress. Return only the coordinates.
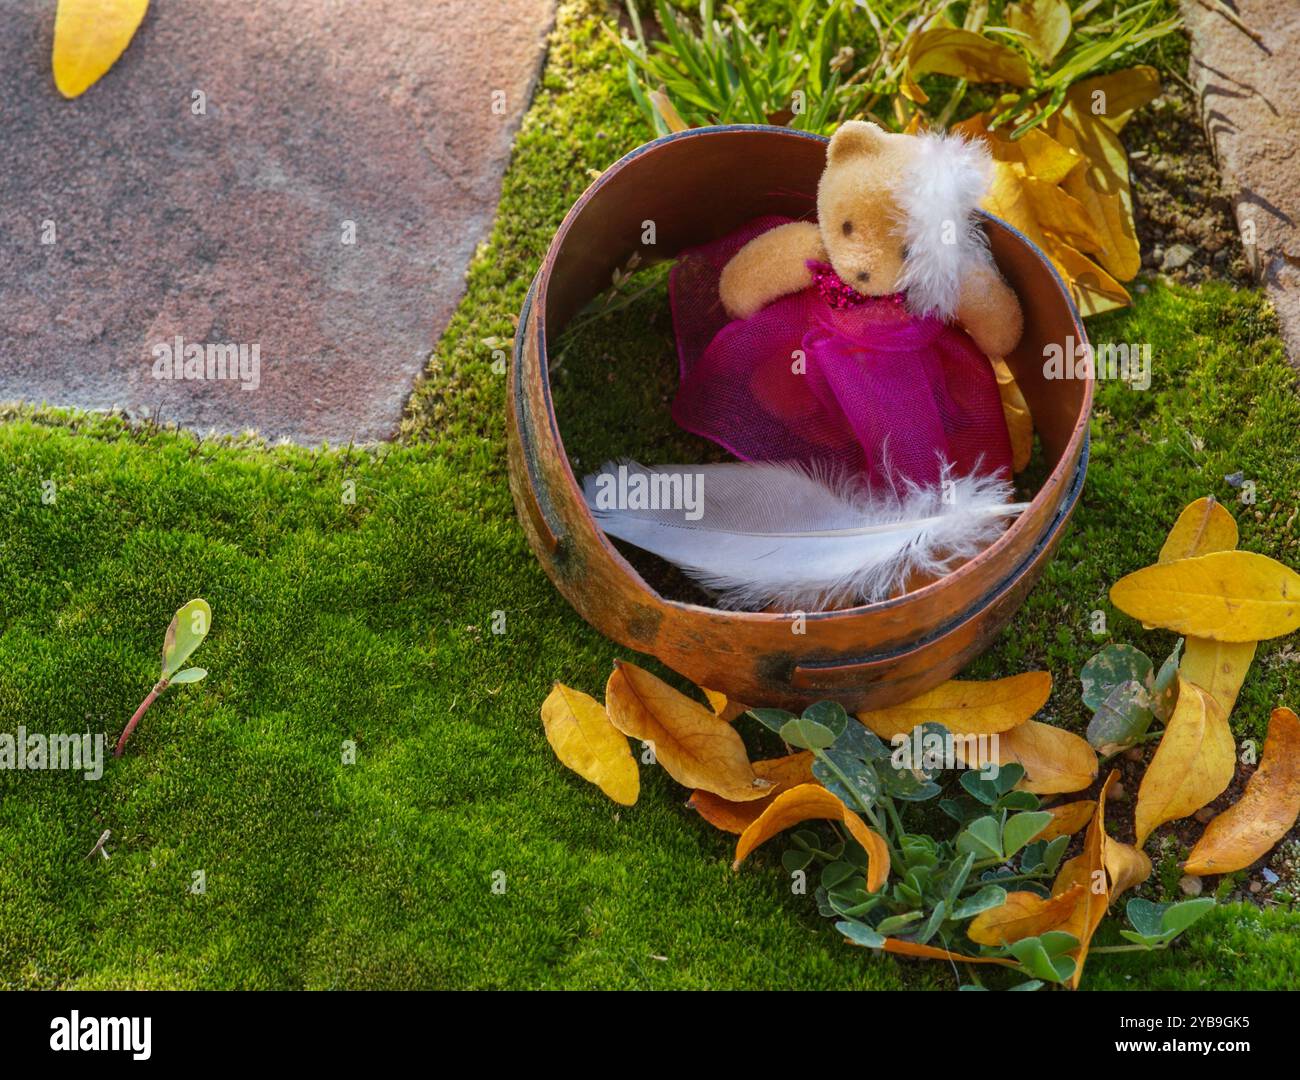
(856, 385)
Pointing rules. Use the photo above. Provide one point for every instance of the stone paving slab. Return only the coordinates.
(227, 226)
(1250, 101)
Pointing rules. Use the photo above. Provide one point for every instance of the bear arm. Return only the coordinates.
(990, 312)
(770, 266)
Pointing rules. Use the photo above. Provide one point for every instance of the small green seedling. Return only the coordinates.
(1156, 925)
(189, 626)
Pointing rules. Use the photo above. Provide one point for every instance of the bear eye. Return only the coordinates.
(847, 228)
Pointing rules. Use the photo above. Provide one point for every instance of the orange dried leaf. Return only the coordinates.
(1264, 813)
(1055, 761)
(1193, 764)
(736, 817)
(966, 707)
(696, 747)
(932, 952)
(1126, 866)
(1068, 818)
(1088, 871)
(810, 802)
(1022, 915)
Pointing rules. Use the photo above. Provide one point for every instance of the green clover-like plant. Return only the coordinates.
(189, 626)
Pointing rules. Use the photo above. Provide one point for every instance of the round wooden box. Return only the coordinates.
(696, 186)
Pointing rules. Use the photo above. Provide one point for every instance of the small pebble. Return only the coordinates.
(1133, 753)
(1255, 887)
(1117, 793)
(1205, 815)
(1271, 877)
(1177, 257)
(1190, 885)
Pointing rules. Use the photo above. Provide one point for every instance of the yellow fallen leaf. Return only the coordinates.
(1264, 813)
(1022, 915)
(966, 707)
(1203, 527)
(736, 817)
(695, 747)
(1113, 97)
(809, 802)
(1226, 596)
(89, 36)
(1094, 289)
(933, 952)
(1055, 761)
(1192, 765)
(1020, 423)
(1218, 667)
(1103, 185)
(1126, 866)
(1088, 871)
(1046, 25)
(1067, 819)
(582, 737)
(963, 54)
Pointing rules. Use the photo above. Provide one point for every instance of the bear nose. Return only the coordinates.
(863, 275)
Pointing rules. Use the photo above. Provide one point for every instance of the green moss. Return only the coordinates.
(373, 623)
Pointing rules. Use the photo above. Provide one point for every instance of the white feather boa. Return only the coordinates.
(938, 195)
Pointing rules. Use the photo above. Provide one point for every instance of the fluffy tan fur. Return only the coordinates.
(859, 232)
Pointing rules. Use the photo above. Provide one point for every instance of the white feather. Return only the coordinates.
(938, 195)
(774, 535)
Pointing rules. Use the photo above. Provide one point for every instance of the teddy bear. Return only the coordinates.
(859, 344)
(895, 213)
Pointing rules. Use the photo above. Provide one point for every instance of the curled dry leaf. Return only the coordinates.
(1264, 813)
(1192, 765)
(1055, 761)
(736, 817)
(1020, 423)
(696, 747)
(582, 737)
(963, 54)
(966, 707)
(1126, 866)
(1067, 819)
(1087, 871)
(1022, 915)
(933, 952)
(809, 802)
(1226, 595)
(89, 36)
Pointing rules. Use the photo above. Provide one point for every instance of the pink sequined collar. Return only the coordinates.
(839, 295)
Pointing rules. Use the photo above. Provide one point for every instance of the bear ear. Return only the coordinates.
(855, 138)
